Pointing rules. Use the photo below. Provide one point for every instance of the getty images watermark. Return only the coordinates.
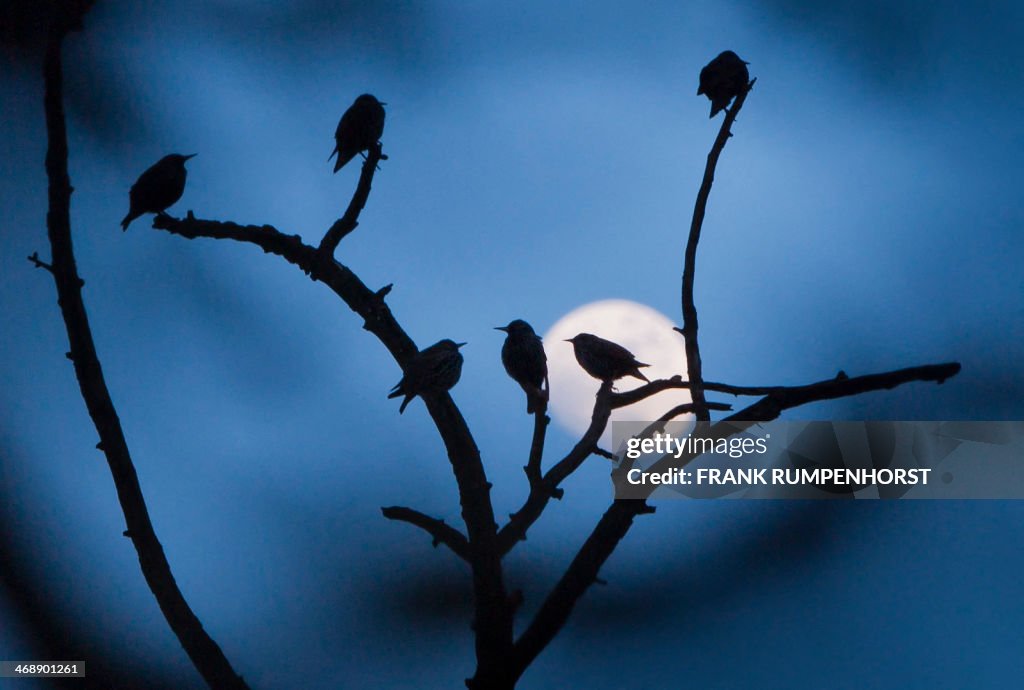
(819, 460)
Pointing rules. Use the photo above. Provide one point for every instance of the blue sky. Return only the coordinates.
(866, 216)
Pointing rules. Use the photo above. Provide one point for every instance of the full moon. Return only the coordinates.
(643, 331)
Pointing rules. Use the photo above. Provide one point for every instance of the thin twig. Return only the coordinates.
(442, 532)
(207, 657)
(39, 263)
(689, 329)
(350, 219)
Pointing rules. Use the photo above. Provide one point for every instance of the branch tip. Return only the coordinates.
(39, 263)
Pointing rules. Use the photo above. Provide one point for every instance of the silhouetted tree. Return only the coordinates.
(503, 654)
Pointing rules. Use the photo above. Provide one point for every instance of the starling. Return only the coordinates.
(722, 79)
(432, 370)
(157, 188)
(525, 361)
(604, 359)
(359, 128)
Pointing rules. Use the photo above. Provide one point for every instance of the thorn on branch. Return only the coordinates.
(557, 493)
(99, 446)
(646, 510)
(600, 581)
(39, 263)
(69, 356)
(127, 533)
(603, 453)
(384, 291)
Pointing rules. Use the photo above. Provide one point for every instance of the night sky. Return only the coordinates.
(866, 216)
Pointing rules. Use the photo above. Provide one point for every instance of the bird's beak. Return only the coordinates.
(568, 341)
(501, 328)
(457, 345)
(191, 155)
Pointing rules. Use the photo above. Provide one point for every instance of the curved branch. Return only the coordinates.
(207, 657)
(350, 219)
(689, 329)
(494, 611)
(442, 532)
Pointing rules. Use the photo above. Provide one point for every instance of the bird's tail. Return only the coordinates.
(333, 153)
(398, 392)
(636, 373)
(340, 162)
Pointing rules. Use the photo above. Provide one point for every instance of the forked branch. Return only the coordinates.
(616, 521)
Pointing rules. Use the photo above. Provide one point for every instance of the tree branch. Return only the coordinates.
(350, 219)
(547, 487)
(442, 532)
(689, 329)
(207, 657)
(493, 615)
(617, 520)
(39, 263)
(660, 385)
(582, 573)
(533, 463)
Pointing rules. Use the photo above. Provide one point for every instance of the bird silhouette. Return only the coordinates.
(159, 187)
(525, 361)
(432, 370)
(359, 128)
(604, 359)
(723, 79)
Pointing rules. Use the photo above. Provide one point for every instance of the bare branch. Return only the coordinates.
(442, 532)
(533, 463)
(547, 488)
(494, 610)
(660, 385)
(617, 520)
(689, 329)
(350, 219)
(39, 263)
(582, 573)
(207, 657)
